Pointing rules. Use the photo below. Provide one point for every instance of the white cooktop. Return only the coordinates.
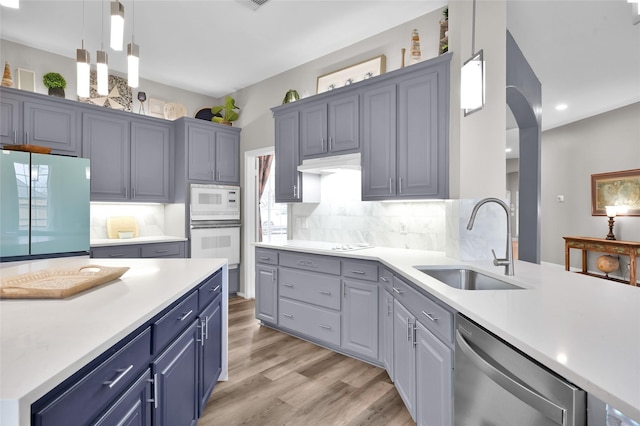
(328, 246)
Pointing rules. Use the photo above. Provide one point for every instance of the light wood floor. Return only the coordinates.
(276, 379)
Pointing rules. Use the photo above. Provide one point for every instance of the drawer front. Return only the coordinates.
(163, 250)
(210, 290)
(360, 270)
(386, 279)
(433, 316)
(167, 327)
(315, 322)
(269, 257)
(310, 262)
(308, 287)
(91, 394)
(130, 252)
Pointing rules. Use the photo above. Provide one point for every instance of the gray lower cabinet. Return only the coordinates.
(360, 318)
(386, 319)
(130, 158)
(134, 251)
(404, 356)
(267, 293)
(132, 408)
(28, 118)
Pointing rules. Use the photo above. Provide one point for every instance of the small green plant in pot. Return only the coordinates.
(225, 114)
(55, 83)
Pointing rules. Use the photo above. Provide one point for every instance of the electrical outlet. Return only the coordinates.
(403, 227)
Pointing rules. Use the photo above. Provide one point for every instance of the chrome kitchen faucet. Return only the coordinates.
(508, 261)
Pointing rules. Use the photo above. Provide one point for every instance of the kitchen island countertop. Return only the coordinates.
(585, 329)
(44, 341)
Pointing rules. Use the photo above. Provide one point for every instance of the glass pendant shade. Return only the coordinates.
(14, 4)
(102, 63)
(133, 60)
(83, 69)
(472, 84)
(117, 25)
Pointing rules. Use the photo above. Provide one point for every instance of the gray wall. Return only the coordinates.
(42, 62)
(570, 154)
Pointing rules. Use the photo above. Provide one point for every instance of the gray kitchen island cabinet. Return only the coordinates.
(405, 135)
(130, 158)
(29, 118)
(330, 128)
(212, 152)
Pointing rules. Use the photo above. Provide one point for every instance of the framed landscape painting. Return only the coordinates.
(620, 189)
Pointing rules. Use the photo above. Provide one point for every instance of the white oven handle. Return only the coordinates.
(213, 225)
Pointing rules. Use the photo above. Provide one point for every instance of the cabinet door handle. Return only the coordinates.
(287, 315)
(415, 338)
(330, 143)
(218, 178)
(396, 291)
(15, 136)
(206, 328)
(273, 276)
(287, 285)
(409, 330)
(126, 191)
(184, 316)
(400, 184)
(26, 138)
(390, 181)
(201, 330)
(295, 191)
(431, 317)
(358, 272)
(133, 192)
(154, 382)
(326, 327)
(123, 372)
(328, 293)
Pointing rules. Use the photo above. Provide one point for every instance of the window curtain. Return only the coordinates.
(264, 168)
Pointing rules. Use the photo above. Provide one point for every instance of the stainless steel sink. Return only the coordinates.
(466, 279)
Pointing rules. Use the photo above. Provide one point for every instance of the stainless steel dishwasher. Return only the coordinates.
(496, 385)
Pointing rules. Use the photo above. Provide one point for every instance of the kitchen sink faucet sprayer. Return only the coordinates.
(508, 261)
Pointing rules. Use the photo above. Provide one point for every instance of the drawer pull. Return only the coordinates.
(287, 315)
(184, 316)
(265, 258)
(328, 293)
(358, 272)
(215, 289)
(431, 317)
(123, 372)
(116, 255)
(395, 290)
(287, 285)
(326, 327)
(162, 251)
(384, 279)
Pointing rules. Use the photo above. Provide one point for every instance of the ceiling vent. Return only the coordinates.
(252, 4)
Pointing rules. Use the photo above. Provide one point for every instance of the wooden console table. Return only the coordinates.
(626, 248)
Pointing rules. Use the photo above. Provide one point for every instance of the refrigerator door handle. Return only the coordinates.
(512, 385)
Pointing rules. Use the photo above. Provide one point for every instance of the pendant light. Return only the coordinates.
(13, 4)
(102, 62)
(83, 66)
(117, 25)
(472, 78)
(133, 54)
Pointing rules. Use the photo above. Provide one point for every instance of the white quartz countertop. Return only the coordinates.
(44, 341)
(105, 242)
(585, 329)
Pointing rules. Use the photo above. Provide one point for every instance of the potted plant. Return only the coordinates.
(55, 83)
(225, 114)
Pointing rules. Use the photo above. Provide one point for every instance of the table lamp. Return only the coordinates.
(611, 213)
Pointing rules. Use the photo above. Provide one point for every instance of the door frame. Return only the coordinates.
(250, 213)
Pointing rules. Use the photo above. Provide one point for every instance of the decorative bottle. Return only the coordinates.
(415, 47)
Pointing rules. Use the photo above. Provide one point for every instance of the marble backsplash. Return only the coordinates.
(149, 217)
(438, 225)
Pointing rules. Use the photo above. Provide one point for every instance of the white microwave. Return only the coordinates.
(215, 202)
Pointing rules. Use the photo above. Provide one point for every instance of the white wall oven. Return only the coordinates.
(215, 226)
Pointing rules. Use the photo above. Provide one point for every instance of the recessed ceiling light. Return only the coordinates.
(561, 107)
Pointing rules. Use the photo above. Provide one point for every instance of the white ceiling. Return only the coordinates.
(585, 52)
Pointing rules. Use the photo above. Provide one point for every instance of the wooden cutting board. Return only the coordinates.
(57, 283)
(117, 224)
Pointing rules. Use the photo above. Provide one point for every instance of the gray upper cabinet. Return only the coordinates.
(406, 135)
(288, 181)
(40, 120)
(330, 128)
(106, 140)
(130, 158)
(379, 149)
(151, 149)
(211, 151)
